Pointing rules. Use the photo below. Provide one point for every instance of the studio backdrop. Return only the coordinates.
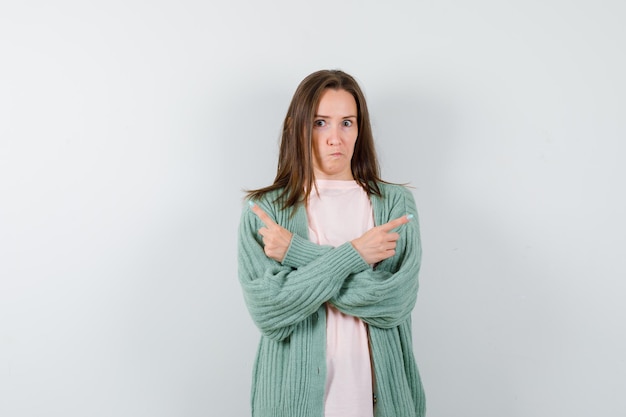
(128, 130)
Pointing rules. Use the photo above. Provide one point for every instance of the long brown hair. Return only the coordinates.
(295, 177)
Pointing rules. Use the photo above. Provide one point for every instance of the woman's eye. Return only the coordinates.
(319, 123)
(347, 123)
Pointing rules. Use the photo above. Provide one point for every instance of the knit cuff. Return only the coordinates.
(347, 260)
(302, 251)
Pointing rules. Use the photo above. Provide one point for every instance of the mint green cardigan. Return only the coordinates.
(287, 302)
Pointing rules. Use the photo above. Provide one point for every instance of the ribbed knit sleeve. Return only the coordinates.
(301, 251)
(385, 296)
(279, 297)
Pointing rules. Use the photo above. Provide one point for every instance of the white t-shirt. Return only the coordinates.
(340, 213)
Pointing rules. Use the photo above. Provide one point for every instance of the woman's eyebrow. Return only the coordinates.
(328, 117)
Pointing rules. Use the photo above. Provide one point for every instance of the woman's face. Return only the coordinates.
(335, 131)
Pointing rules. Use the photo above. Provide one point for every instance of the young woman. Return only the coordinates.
(329, 256)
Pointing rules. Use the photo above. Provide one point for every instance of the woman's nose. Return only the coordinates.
(334, 136)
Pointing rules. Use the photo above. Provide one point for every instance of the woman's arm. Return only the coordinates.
(385, 296)
(279, 297)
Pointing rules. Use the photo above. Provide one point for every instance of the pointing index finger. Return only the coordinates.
(262, 215)
(392, 224)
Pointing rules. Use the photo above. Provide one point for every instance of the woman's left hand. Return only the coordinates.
(276, 239)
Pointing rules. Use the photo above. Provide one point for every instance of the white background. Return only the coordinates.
(129, 128)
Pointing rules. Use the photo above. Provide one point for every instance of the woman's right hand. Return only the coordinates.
(276, 239)
(379, 243)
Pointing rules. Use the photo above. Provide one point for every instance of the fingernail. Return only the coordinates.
(250, 203)
(409, 216)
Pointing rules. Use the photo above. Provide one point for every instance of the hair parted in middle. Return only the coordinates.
(295, 175)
